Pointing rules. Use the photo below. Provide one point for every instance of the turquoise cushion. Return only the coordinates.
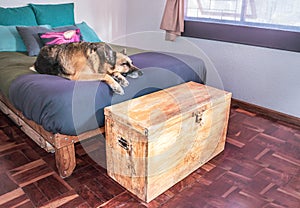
(54, 14)
(17, 16)
(87, 33)
(10, 39)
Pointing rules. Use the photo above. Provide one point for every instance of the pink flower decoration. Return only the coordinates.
(69, 36)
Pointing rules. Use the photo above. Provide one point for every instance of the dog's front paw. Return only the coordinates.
(121, 80)
(118, 89)
(124, 83)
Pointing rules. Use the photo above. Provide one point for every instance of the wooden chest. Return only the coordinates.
(154, 141)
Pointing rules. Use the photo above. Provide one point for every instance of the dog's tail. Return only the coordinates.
(32, 68)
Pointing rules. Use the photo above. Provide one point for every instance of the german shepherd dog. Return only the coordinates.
(87, 61)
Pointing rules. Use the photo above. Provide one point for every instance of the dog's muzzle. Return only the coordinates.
(133, 74)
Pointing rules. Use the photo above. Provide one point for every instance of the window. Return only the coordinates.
(268, 23)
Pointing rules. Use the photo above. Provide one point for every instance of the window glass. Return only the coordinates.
(275, 14)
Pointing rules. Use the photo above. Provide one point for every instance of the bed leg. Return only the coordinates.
(65, 160)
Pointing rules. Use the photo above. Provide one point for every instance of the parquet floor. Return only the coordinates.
(259, 168)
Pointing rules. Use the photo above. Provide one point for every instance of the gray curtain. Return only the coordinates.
(173, 19)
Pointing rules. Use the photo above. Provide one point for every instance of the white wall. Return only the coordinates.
(265, 77)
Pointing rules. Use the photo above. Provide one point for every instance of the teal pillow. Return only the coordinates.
(87, 33)
(54, 14)
(17, 16)
(10, 39)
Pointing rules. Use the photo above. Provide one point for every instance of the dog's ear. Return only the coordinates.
(124, 51)
(107, 54)
(110, 55)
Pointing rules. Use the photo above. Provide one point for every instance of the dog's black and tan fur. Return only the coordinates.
(87, 61)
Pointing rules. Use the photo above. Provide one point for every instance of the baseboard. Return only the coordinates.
(271, 114)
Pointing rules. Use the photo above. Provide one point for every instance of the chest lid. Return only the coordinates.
(155, 108)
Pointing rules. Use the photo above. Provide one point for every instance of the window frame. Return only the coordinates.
(249, 34)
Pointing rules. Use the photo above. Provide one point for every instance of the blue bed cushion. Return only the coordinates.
(17, 16)
(54, 14)
(10, 39)
(87, 33)
(73, 107)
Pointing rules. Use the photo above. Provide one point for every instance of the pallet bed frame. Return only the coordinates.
(62, 145)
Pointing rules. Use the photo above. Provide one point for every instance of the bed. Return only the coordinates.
(57, 113)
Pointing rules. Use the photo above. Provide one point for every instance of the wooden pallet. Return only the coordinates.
(60, 144)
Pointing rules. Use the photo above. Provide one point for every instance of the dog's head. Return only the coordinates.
(117, 61)
(125, 66)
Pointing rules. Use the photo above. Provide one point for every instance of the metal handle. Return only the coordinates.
(123, 143)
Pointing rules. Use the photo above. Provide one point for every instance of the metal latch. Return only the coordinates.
(198, 117)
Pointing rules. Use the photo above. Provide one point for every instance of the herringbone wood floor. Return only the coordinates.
(259, 168)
